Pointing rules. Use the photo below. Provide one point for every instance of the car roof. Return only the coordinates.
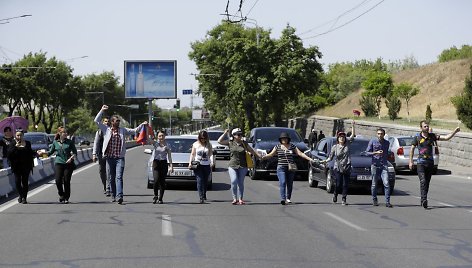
(269, 128)
(35, 133)
(186, 137)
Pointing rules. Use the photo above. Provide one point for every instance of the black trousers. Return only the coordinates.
(159, 172)
(342, 183)
(425, 171)
(63, 177)
(102, 170)
(21, 182)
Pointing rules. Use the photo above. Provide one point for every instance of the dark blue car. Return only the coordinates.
(263, 139)
(360, 162)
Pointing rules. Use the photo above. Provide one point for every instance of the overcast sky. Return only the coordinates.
(111, 31)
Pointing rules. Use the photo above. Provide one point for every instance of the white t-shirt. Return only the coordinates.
(202, 154)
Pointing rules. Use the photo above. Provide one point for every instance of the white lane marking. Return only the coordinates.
(40, 189)
(167, 226)
(273, 186)
(446, 204)
(348, 223)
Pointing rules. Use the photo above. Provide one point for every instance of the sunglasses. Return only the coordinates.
(380, 133)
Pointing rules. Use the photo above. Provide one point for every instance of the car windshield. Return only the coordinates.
(406, 141)
(180, 145)
(213, 136)
(36, 139)
(274, 134)
(358, 147)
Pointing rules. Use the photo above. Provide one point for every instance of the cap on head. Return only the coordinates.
(236, 131)
(284, 135)
(341, 133)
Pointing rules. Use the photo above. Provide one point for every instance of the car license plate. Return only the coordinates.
(363, 177)
(181, 173)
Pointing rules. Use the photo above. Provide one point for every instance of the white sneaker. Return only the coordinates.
(288, 201)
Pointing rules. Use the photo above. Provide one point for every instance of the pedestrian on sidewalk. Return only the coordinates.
(378, 149)
(21, 157)
(238, 166)
(114, 150)
(64, 165)
(312, 139)
(286, 166)
(342, 165)
(425, 162)
(98, 155)
(202, 152)
(161, 164)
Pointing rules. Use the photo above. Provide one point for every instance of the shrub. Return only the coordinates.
(369, 106)
(463, 102)
(429, 113)
(394, 105)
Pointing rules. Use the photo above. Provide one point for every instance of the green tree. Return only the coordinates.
(429, 113)
(406, 91)
(454, 53)
(368, 105)
(463, 102)
(394, 105)
(378, 85)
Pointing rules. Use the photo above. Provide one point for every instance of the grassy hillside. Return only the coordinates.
(438, 82)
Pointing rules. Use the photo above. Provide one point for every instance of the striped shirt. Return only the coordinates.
(114, 146)
(285, 156)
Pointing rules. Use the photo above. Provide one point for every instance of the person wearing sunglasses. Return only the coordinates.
(237, 167)
(378, 149)
(114, 150)
(98, 155)
(4, 143)
(21, 157)
(202, 152)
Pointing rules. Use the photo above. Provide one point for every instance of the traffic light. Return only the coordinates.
(177, 104)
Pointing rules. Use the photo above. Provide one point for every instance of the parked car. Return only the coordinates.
(263, 140)
(51, 137)
(401, 147)
(221, 151)
(181, 147)
(360, 164)
(79, 140)
(39, 140)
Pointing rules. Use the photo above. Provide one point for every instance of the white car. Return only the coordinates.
(181, 147)
(400, 146)
(221, 151)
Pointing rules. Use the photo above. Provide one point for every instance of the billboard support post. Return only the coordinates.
(150, 112)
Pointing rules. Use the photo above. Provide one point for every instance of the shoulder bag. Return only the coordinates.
(249, 162)
(291, 166)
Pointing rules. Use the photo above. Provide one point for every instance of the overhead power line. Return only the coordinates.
(346, 23)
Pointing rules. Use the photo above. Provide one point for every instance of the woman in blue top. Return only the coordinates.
(64, 164)
(285, 152)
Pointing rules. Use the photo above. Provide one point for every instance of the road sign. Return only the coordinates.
(187, 91)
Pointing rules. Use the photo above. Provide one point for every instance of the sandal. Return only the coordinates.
(241, 202)
(235, 202)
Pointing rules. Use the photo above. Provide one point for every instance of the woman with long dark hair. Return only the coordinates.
(161, 164)
(202, 152)
(21, 158)
(64, 165)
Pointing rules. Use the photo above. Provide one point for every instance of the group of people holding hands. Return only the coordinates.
(109, 149)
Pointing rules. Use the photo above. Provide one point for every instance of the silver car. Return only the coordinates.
(181, 147)
(221, 151)
(400, 146)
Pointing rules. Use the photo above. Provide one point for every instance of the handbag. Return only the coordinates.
(194, 165)
(249, 162)
(291, 166)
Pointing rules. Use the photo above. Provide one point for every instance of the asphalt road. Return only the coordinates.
(313, 232)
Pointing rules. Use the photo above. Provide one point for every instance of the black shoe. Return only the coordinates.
(335, 198)
(113, 200)
(282, 202)
(61, 199)
(425, 204)
(107, 194)
(23, 201)
(154, 200)
(120, 201)
(205, 197)
(375, 203)
(66, 201)
(20, 199)
(388, 205)
(160, 202)
(202, 201)
(344, 202)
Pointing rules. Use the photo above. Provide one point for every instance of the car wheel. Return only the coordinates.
(311, 180)
(329, 182)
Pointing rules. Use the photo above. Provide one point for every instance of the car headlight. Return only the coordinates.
(391, 169)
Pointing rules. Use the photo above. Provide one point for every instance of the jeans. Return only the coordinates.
(21, 182)
(102, 170)
(63, 175)
(115, 169)
(342, 183)
(285, 182)
(202, 174)
(382, 172)
(425, 171)
(159, 173)
(237, 181)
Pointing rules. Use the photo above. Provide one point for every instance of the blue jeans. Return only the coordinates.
(285, 182)
(382, 172)
(115, 168)
(201, 174)
(237, 181)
